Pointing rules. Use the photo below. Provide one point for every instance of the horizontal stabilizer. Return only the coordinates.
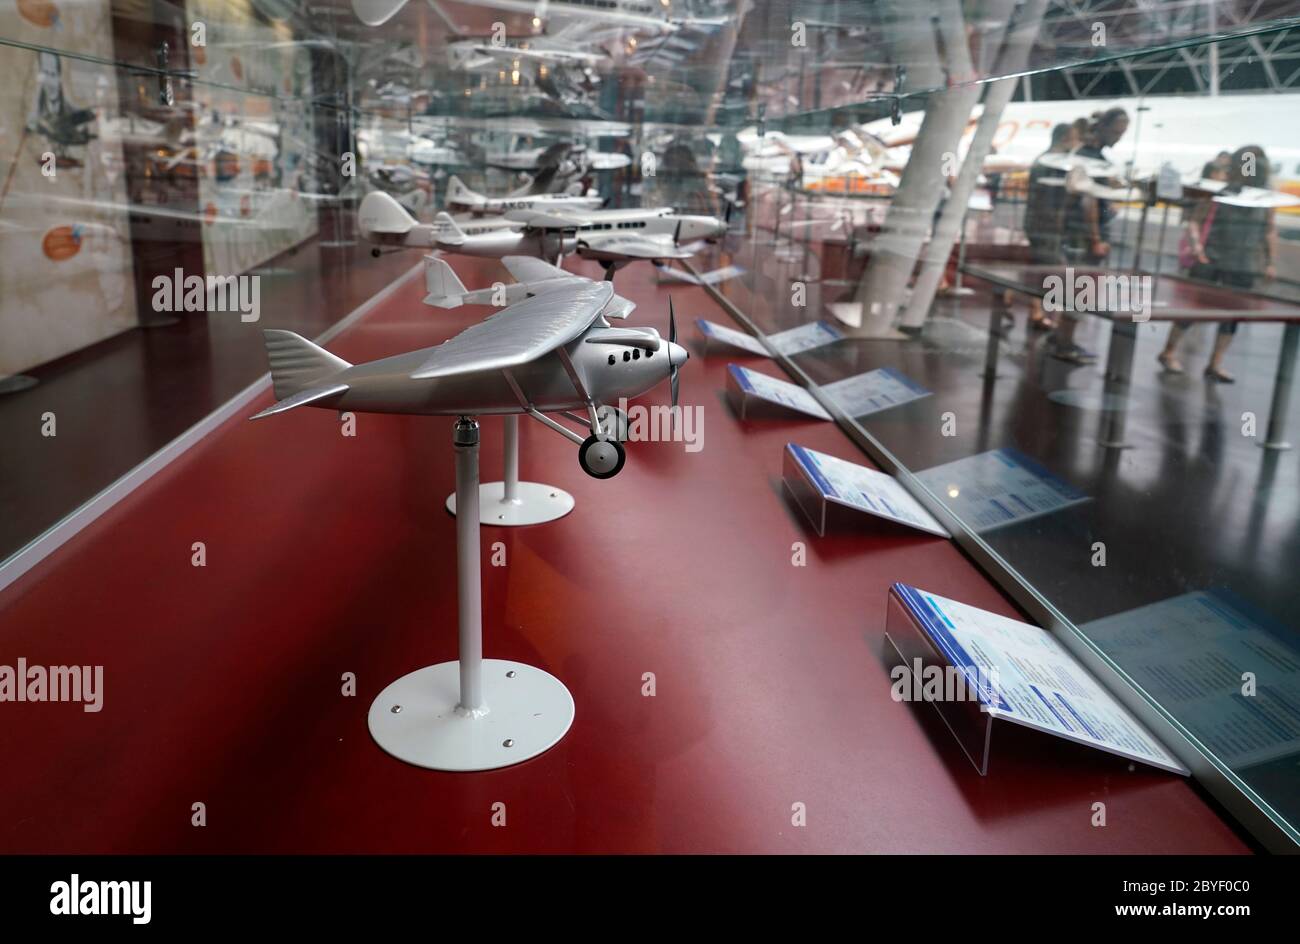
(302, 398)
(444, 289)
(446, 231)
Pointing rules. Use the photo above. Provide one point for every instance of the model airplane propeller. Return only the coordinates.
(552, 353)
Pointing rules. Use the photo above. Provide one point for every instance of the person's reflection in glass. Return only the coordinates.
(1239, 247)
(1087, 228)
(1198, 218)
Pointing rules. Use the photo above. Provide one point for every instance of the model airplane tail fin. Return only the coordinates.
(446, 231)
(444, 289)
(297, 365)
(380, 213)
(457, 192)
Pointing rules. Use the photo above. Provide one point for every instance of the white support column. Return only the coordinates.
(1013, 57)
(474, 713)
(511, 503)
(911, 211)
(469, 589)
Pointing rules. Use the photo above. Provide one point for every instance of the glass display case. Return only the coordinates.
(1053, 244)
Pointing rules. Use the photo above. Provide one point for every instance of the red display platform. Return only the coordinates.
(329, 555)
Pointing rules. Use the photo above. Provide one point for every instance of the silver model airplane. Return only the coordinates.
(459, 195)
(533, 277)
(617, 237)
(552, 353)
(386, 223)
(611, 237)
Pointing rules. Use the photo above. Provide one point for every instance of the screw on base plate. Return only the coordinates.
(396, 709)
(508, 742)
(510, 674)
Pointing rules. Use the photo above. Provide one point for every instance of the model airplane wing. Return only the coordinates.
(519, 334)
(538, 219)
(531, 269)
(637, 247)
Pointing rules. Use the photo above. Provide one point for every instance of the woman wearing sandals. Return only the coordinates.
(1229, 245)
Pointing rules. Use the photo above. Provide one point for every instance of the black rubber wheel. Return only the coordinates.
(601, 459)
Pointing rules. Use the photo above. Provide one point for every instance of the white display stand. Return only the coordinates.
(512, 503)
(976, 667)
(819, 482)
(744, 385)
(475, 713)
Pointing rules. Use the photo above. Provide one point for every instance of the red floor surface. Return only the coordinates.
(328, 555)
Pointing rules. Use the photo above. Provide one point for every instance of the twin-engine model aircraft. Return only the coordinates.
(552, 353)
(611, 237)
(616, 237)
(458, 195)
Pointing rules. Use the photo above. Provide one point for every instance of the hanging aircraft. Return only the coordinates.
(552, 353)
(577, 43)
(650, 15)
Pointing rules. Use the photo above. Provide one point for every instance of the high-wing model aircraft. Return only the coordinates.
(534, 277)
(552, 353)
(458, 195)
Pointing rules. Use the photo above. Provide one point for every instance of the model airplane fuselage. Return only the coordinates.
(552, 353)
(460, 195)
(371, 388)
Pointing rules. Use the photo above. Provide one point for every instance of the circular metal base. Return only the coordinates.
(525, 714)
(16, 382)
(533, 504)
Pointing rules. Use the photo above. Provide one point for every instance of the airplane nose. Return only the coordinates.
(677, 355)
